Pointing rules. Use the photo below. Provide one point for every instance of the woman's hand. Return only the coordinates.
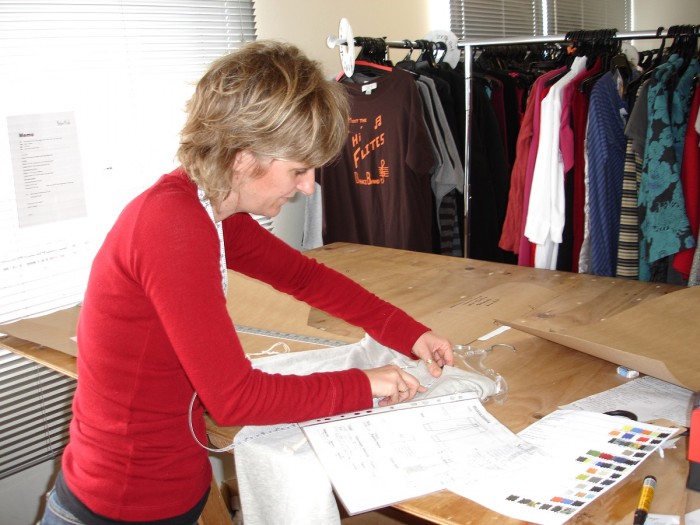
(392, 384)
(435, 350)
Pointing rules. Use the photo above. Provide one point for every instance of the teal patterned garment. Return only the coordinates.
(664, 226)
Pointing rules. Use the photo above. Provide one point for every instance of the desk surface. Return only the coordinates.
(437, 290)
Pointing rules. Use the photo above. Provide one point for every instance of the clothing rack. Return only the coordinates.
(403, 44)
(346, 43)
(468, 47)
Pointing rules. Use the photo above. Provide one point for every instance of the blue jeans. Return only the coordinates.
(56, 514)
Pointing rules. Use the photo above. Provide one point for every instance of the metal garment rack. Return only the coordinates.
(346, 43)
(468, 46)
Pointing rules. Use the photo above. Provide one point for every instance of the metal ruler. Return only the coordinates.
(289, 336)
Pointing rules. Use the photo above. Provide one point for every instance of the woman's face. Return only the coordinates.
(265, 194)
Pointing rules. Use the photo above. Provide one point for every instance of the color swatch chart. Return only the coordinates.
(581, 455)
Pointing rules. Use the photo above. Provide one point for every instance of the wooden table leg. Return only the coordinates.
(215, 511)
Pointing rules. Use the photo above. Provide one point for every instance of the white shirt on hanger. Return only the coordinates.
(545, 218)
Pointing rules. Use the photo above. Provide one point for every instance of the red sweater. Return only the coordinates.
(154, 329)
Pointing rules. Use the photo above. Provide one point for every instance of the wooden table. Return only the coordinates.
(541, 375)
(459, 298)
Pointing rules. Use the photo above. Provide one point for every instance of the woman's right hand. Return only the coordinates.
(393, 385)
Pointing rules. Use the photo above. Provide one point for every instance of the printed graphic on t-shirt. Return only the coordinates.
(365, 140)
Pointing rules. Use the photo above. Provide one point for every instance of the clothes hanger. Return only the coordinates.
(578, 39)
(645, 58)
(407, 63)
(685, 45)
(660, 55)
(604, 46)
(620, 66)
(371, 62)
(426, 58)
(652, 63)
(439, 50)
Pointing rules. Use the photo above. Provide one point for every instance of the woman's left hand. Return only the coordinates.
(435, 350)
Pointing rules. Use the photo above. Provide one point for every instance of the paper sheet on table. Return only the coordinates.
(579, 456)
(657, 337)
(647, 397)
(663, 519)
(693, 518)
(379, 457)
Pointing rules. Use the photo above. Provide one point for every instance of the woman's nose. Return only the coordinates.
(307, 182)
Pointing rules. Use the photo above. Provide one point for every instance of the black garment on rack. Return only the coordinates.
(488, 180)
(511, 110)
(455, 109)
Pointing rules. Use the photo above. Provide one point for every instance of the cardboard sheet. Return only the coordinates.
(659, 337)
(467, 319)
(474, 316)
(55, 330)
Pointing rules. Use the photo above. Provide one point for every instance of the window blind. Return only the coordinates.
(116, 75)
(483, 19)
(478, 19)
(35, 411)
(571, 15)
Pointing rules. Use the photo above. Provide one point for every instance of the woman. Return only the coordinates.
(154, 328)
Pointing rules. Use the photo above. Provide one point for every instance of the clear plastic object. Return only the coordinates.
(473, 360)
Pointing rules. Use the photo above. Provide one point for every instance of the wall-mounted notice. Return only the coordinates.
(46, 168)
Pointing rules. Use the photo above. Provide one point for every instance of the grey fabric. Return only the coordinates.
(313, 221)
(279, 478)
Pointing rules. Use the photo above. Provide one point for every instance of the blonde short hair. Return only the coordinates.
(267, 98)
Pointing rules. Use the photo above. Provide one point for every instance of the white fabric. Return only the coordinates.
(220, 232)
(545, 218)
(584, 257)
(279, 478)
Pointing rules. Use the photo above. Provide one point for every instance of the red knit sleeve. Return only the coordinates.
(254, 252)
(177, 261)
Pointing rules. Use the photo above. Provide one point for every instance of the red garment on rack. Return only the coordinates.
(526, 251)
(690, 180)
(513, 224)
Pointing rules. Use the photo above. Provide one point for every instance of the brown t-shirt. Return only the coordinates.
(378, 191)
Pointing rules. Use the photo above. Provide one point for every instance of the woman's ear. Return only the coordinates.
(244, 160)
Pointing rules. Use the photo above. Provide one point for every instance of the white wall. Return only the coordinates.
(308, 23)
(22, 495)
(650, 14)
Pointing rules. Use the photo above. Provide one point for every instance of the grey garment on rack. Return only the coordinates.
(453, 177)
(638, 121)
(312, 237)
(694, 277)
(448, 174)
(280, 480)
(437, 145)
